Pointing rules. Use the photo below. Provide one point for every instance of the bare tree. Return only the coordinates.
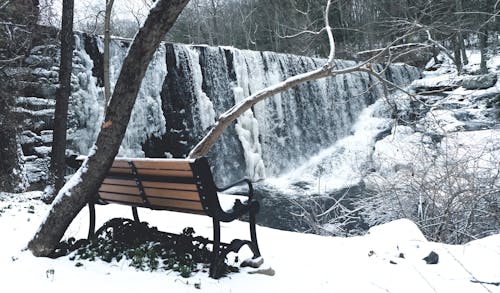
(107, 39)
(58, 156)
(85, 183)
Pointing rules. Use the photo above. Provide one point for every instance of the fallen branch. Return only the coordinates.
(484, 282)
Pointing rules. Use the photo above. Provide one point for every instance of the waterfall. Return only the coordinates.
(188, 87)
(87, 99)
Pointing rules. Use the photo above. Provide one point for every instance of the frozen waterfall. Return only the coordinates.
(188, 87)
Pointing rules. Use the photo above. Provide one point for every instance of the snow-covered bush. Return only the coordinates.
(450, 189)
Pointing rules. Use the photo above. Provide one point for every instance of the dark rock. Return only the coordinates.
(34, 103)
(435, 137)
(463, 115)
(451, 105)
(432, 258)
(477, 125)
(480, 82)
(435, 89)
(37, 89)
(40, 61)
(381, 135)
(45, 50)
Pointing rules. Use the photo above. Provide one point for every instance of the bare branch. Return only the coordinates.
(12, 60)
(437, 44)
(302, 32)
(5, 4)
(331, 40)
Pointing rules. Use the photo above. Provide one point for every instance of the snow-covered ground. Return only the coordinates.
(389, 258)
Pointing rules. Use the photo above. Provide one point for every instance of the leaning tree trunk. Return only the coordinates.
(57, 162)
(85, 183)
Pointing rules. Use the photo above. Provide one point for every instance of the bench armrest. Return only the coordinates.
(245, 180)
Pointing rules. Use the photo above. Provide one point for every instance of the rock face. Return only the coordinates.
(34, 84)
(480, 82)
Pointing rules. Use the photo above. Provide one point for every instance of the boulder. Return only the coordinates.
(480, 82)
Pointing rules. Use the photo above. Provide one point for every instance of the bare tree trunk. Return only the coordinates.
(57, 163)
(107, 39)
(461, 40)
(483, 42)
(215, 32)
(85, 183)
(459, 9)
(456, 54)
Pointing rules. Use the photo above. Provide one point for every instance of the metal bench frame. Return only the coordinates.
(207, 191)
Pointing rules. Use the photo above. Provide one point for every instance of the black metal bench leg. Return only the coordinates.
(253, 233)
(135, 214)
(92, 221)
(215, 266)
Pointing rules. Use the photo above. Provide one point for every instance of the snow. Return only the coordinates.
(302, 262)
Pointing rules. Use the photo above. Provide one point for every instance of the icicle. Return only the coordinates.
(205, 106)
(147, 116)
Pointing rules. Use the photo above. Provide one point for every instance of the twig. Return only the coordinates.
(9, 61)
(484, 282)
(4, 5)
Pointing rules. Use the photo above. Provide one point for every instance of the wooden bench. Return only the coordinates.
(182, 185)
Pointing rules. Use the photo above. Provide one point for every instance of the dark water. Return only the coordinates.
(299, 213)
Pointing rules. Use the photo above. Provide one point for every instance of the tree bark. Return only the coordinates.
(456, 54)
(483, 43)
(57, 163)
(107, 39)
(10, 175)
(85, 183)
(459, 10)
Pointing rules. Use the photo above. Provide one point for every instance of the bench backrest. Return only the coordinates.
(166, 184)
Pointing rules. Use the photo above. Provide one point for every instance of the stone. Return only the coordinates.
(480, 82)
(432, 258)
(269, 272)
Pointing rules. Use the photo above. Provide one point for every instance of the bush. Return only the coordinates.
(451, 190)
(146, 248)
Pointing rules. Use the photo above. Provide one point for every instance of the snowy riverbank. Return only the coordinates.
(387, 259)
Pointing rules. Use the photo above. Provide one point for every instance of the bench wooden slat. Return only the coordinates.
(164, 203)
(154, 184)
(152, 172)
(154, 164)
(165, 193)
